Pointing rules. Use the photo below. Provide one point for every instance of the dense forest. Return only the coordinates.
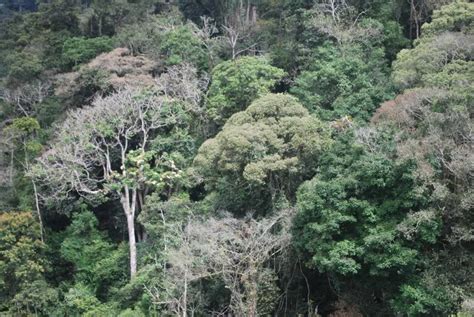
(236, 158)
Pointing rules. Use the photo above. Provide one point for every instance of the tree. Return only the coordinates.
(109, 154)
(59, 15)
(452, 17)
(345, 22)
(433, 120)
(145, 37)
(22, 266)
(22, 145)
(165, 38)
(445, 40)
(235, 84)
(97, 262)
(105, 73)
(180, 44)
(220, 10)
(80, 300)
(26, 98)
(235, 250)
(262, 154)
(240, 27)
(434, 126)
(172, 134)
(354, 219)
(420, 13)
(101, 17)
(343, 81)
(23, 67)
(77, 50)
(430, 56)
(436, 116)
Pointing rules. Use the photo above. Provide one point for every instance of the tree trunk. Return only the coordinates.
(185, 295)
(247, 14)
(254, 15)
(100, 25)
(12, 167)
(132, 244)
(128, 198)
(251, 290)
(414, 20)
(38, 209)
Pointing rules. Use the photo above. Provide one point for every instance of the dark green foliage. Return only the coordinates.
(235, 84)
(427, 294)
(181, 45)
(99, 267)
(80, 300)
(304, 120)
(343, 82)
(23, 67)
(353, 218)
(59, 15)
(393, 40)
(97, 263)
(77, 50)
(49, 111)
(89, 82)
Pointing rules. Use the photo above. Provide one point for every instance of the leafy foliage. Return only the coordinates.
(235, 84)
(343, 82)
(97, 262)
(22, 265)
(23, 67)
(181, 45)
(354, 218)
(78, 50)
(447, 39)
(262, 152)
(243, 158)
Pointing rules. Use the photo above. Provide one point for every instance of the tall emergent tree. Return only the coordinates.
(104, 150)
(262, 154)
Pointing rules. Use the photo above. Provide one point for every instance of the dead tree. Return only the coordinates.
(239, 27)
